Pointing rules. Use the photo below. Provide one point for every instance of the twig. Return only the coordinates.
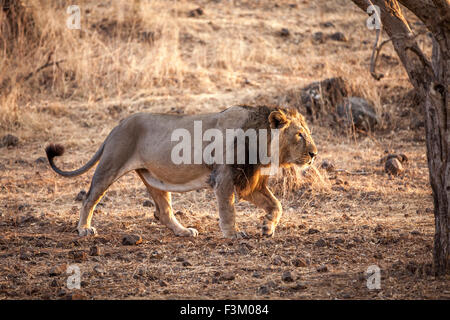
(354, 173)
(377, 49)
(49, 63)
(375, 53)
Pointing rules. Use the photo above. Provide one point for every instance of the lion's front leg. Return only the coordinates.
(264, 198)
(224, 190)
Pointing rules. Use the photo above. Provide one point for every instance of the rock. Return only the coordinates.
(299, 286)
(9, 141)
(196, 12)
(415, 233)
(318, 37)
(186, 263)
(25, 256)
(40, 160)
(284, 32)
(378, 228)
(358, 112)
(400, 157)
(287, 277)
(131, 240)
(227, 277)
(54, 283)
(338, 36)
(162, 283)
(263, 290)
(148, 203)
(57, 270)
(327, 165)
(394, 167)
(78, 255)
(321, 98)
(80, 196)
(99, 270)
(278, 261)
(320, 243)
(95, 251)
(322, 268)
(327, 24)
(243, 250)
(299, 263)
(312, 231)
(257, 275)
(76, 296)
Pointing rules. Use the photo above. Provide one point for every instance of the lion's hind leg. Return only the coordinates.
(101, 181)
(163, 203)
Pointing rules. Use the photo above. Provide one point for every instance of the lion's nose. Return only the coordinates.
(313, 154)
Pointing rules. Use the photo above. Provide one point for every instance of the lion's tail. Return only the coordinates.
(57, 150)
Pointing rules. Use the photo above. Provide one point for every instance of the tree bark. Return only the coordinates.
(432, 82)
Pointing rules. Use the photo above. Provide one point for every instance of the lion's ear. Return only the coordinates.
(278, 120)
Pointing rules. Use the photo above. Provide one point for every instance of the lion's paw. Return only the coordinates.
(267, 231)
(84, 232)
(188, 232)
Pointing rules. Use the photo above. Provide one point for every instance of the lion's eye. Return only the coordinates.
(300, 135)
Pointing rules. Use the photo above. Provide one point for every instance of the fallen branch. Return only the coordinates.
(49, 63)
(354, 173)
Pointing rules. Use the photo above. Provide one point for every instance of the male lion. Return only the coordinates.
(143, 142)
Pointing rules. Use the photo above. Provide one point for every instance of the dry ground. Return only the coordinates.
(232, 53)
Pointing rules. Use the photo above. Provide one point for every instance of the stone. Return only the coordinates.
(338, 36)
(284, 32)
(393, 167)
(131, 240)
(312, 231)
(95, 251)
(57, 270)
(78, 255)
(327, 165)
(318, 37)
(227, 277)
(299, 263)
(196, 12)
(148, 203)
(9, 141)
(287, 277)
(322, 268)
(358, 112)
(320, 243)
(320, 98)
(186, 263)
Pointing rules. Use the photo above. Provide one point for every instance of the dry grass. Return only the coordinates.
(151, 56)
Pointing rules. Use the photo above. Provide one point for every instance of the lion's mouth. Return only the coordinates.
(303, 162)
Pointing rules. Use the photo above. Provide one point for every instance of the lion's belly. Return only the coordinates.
(172, 184)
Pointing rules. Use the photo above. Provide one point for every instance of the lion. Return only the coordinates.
(144, 143)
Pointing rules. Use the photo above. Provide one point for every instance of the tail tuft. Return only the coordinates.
(54, 150)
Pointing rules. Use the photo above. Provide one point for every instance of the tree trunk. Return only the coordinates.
(432, 82)
(437, 126)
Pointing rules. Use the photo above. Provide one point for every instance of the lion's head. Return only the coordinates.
(295, 141)
(296, 146)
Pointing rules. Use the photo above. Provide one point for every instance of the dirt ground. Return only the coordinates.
(335, 225)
